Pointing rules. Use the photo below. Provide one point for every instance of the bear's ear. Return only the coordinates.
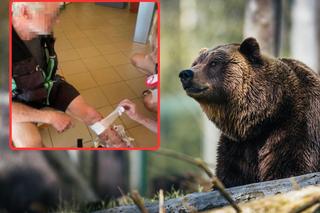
(203, 50)
(251, 50)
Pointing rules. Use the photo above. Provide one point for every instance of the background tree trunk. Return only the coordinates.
(263, 22)
(69, 175)
(304, 42)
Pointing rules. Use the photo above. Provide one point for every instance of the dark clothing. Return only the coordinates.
(33, 87)
(61, 95)
(34, 46)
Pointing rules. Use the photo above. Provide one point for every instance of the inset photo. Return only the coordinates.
(84, 75)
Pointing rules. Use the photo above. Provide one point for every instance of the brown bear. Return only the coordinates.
(267, 109)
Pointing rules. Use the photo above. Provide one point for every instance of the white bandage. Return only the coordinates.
(100, 126)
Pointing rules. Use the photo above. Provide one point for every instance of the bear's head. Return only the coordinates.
(217, 73)
(233, 85)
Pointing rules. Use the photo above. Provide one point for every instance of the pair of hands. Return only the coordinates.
(61, 121)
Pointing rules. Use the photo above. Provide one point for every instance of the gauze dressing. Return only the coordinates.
(100, 126)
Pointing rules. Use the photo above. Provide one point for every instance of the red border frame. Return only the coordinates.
(10, 78)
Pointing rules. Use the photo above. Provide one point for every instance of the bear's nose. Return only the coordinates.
(186, 75)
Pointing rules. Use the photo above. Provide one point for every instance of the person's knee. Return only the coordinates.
(136, 60)
(26, 135)
(150, 103)
(33, 140)
(143, 62)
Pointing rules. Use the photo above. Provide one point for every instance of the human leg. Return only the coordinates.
(144, 62)
(26, 135)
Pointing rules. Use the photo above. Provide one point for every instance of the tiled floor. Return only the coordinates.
(94, 45)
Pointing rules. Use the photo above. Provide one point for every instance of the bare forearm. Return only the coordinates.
(24, 113)
(148, 123)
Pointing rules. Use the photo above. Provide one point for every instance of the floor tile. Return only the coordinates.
(92, 33)
(105, 76)
(94, 97)
(100, 39)
(124, 45)
(138, 85)
(74, 34)
(82, 81)
(117, 92)
(128, 122)
(68, 55)
(122, 38)
(58, 32)
(73, 67)
(46, 139)
(70, 136)
(117, 58)
(116, 21)
(88, 52)
(87, 26)
(143, 137)
(128, 71)
(62, 43)
(107, 48)
(95, 63)
(81, 43)
(88, 144)
(109, 30)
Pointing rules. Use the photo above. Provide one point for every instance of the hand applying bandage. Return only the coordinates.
(131, 111)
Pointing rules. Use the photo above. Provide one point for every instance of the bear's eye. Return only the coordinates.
(214, 63)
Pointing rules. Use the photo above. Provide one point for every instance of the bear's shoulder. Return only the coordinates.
(302, 71)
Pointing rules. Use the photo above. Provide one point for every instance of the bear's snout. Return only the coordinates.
(186, 77)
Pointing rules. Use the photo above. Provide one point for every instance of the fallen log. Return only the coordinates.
(306, 200)
(208, 200)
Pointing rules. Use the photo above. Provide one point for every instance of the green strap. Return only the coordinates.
(48, 81)
(48, 85)
(13, 85)
(50, 67)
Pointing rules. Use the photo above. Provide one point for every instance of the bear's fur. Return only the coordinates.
(268, 110)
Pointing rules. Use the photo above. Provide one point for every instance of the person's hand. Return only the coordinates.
(60, 121)
(130, 108)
